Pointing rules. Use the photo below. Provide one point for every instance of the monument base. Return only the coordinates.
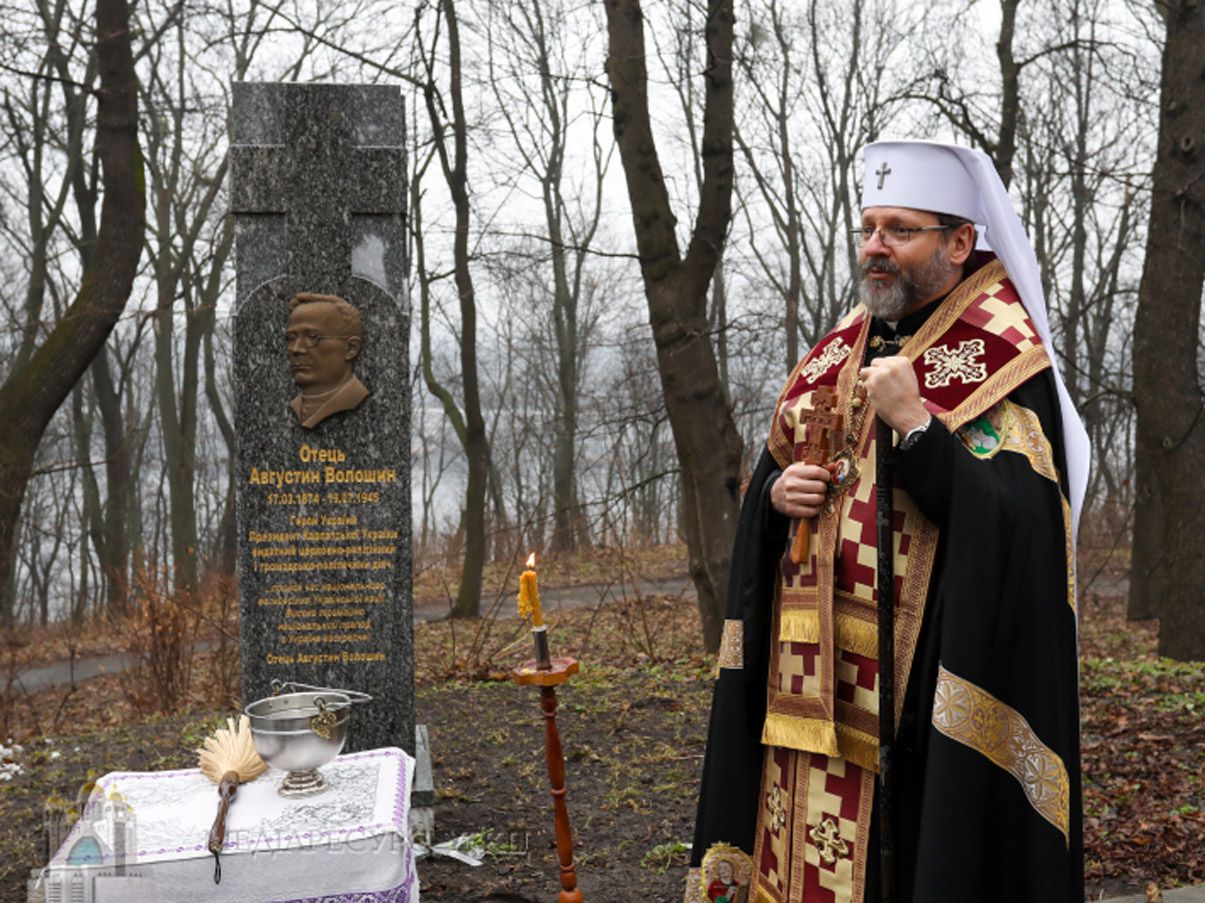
(423, 792)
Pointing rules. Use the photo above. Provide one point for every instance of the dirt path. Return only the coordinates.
(68, 671)
(567, 598)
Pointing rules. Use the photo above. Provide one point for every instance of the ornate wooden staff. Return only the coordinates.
(886, 573)
(546, 673)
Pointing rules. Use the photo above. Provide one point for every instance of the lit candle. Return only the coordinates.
(529, 594)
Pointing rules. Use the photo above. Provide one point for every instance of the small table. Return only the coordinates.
(142, 837)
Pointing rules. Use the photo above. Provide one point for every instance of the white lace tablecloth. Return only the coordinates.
(143, 837)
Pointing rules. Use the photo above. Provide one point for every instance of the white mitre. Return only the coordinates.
(944, 178)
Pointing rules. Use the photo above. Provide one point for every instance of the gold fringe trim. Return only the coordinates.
(801, 625)
(861, 749)
(807, 734)
(857, 636)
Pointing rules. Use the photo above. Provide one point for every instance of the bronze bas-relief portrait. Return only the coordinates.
(323, 338)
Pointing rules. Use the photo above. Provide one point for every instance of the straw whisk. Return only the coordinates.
(228, 758)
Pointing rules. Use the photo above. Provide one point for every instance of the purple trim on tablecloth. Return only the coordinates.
(399, 807)
(400, 804)
(399, 894)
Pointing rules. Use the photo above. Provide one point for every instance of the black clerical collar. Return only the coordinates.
(886, 339)
(915, 320)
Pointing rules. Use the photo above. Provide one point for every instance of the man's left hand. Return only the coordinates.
(892, 388)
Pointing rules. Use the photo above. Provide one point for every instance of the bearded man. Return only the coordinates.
(950, 348)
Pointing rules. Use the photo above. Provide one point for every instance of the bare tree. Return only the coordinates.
(708, 445)
(186, 168)
(1168, 569)
(772, 77)
(533, 74)
(1078, 174)
(33, 392)
(807, 116)
(677, 50)
(639, 491)
(450, 127)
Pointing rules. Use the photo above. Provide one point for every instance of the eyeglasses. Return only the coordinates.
(892, 236)
(308, 338)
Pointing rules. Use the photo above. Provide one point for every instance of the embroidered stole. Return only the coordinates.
(821, 726)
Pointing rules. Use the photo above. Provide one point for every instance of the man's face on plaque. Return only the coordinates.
(320, 356)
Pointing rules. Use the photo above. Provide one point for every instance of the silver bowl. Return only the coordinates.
(300, 732)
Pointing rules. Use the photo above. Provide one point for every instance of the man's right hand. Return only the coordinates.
(799, 490)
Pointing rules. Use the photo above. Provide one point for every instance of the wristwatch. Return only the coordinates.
(913, 435)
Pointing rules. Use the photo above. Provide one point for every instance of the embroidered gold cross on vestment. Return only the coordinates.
(827, 838)
(778, 812)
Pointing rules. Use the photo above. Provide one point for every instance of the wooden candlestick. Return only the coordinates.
(547, 679)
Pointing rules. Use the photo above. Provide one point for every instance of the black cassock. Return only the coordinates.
(999, 616)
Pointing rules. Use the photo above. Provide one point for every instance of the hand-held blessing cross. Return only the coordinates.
(821, 423)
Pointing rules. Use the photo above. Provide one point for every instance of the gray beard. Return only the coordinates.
(891, 302)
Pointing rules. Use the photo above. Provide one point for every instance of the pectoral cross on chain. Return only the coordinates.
(882, 172)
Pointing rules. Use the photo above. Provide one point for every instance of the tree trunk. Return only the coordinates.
(472, 429)
(1010, 92)
(569, 524)
(81, 421)
(537, 44)
(1170, 504)
(1149, 545)
(175, 236)
(224, 556)
(705, 436)
(177, 420)
(31, 394)
(568, 521)
(718, 318)
(115, 550)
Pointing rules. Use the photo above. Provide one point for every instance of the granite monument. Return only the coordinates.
(321, 397)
